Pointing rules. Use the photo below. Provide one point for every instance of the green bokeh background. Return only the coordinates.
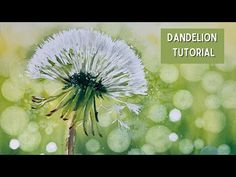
(17, 44)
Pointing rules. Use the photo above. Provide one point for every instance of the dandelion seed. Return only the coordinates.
(118, 108)
(133, 107)
(91, 66)
(121, 123)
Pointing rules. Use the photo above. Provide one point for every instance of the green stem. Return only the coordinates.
(87, 110)
(71, 140)
(84, 102)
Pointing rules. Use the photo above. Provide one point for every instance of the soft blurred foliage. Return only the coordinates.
(190, 109)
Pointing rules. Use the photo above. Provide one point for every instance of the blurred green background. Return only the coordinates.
(190, 109)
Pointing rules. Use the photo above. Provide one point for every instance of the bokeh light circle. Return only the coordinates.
(224, 149)
(183, 99)
(157, 112)
(14, 144)
(51, 147)
(14, 120)
(118, 140)
(193, 72)
(92, 145)
(175, 115)
(29, 141)
(186, 146)
(158, 136)
(169, 73)
(212, 81)
(214, 121)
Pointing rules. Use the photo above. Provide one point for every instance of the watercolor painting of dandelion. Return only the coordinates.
(101, 89)
(91, 66)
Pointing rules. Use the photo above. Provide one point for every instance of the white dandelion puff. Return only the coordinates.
(133, 107)
(118, 108)
(92, 66)
(121, 123)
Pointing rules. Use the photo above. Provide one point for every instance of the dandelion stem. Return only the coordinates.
(71, 140)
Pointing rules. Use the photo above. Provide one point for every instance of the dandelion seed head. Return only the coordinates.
(86, 51)
(91, 65)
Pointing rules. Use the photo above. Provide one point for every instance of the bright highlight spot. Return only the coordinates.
(175, 115)
(14, 144)
(173, 137)
(51, 147)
